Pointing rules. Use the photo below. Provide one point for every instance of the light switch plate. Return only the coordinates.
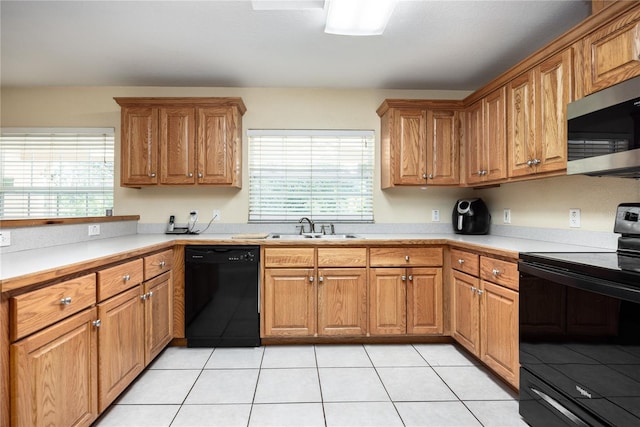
(507, 216)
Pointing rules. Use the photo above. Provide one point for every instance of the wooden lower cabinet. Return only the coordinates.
(499, 330)
(158, 315)
(121, 343)
(54, 374)
(485, 322)
(342, 301)
(289, 302)
(405, 301)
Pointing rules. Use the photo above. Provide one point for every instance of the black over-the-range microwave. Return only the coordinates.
(604, 132)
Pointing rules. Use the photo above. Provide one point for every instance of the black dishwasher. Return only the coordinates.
(222, 303)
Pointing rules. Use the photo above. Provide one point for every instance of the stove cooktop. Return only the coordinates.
(604, 265)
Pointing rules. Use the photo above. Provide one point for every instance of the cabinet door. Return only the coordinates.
(177, 145)
(521, 134)
(424, 301)
(443, 162)
(53, 374)
(121, 344)
(158, 315)
(474, 143)
(342, 301)
(217, 145)
(612, 54)
(387, 301)
(465, 322)
(139, 146)
(495, 139)
(554, 91)
(409, 149)
(289, 302)
(499, 331)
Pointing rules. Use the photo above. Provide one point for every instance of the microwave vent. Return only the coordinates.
(582, 149)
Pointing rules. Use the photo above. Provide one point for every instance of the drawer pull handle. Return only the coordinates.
(406, 258)
(460, 261)
(65, 301)
(126, 277)
(496, 272)
(162, 264)
(97, 323)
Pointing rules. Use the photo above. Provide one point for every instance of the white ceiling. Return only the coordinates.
(426, 45)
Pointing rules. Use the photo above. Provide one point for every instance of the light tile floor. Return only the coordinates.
(321, 385)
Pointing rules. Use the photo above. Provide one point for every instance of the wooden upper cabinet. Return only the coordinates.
(177, 145)
(612, 53)
(537, 135)
(485, 139)
(181, 141)
(443, 143)
(139, 146)
(419, 142)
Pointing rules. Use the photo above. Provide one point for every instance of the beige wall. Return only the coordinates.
(542, 203)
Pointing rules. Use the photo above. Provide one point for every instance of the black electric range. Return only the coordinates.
(579, 332)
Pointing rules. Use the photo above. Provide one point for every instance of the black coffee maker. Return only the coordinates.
(470, 216)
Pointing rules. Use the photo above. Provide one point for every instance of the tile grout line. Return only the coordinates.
(255, 390)
(375, 368)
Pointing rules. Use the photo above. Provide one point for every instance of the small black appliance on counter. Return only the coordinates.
(470, 216)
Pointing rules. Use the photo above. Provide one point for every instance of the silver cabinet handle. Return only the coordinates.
(460, 261)
(126, 277)
(152, 175)
(321, 279)
(404, 278)
(150, 294)
(65, 301)
(482, 172)
(430, 176)
(479, 291)
(200, 175)
(424, 176)
(97, 323)
(407, 258)
(311, 278)
(536, 162)
(496, 272)
(474, 289)
(162, 264)
(410, 278)
(144, 297)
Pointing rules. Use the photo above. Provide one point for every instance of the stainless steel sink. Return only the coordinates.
(311, 236)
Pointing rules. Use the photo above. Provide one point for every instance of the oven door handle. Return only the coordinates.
(559, 407)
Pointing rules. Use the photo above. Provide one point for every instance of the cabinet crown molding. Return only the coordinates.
(182, 101)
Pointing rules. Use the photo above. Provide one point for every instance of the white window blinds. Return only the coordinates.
(55, 172)
(324, 175)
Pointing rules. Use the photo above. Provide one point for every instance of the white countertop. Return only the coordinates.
(16, 264)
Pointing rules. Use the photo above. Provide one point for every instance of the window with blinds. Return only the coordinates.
(324, 175)
(55, 172)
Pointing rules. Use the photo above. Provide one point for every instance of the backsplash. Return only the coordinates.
(25, 238)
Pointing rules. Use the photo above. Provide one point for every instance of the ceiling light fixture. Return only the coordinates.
(358, 17)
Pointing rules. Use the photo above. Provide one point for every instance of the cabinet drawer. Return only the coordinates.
(342, 257)
(112, 281)
(400, 257)
(157, 264)
(289, 257)
(466, 262)
(504, 273)
(35, 310)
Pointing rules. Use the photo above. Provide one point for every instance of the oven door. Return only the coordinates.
(579, 349)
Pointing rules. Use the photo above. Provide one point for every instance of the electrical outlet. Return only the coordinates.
(506, 217)
(574, 218)
(94, 230)
(435, 215)
(216, 215)
(5, 238)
